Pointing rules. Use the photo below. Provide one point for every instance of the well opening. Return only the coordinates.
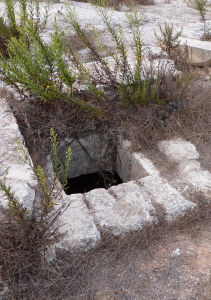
(87, 182)
(94, 163)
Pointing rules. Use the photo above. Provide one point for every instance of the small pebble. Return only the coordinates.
(176, 253)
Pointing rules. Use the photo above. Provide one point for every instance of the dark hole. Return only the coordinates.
(88, 182)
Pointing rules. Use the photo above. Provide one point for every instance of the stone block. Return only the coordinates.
(178, 150)
(106, 211)
(199, 51)
(189, 169)
(23, 192)
(141, 166)
(123, 160)
(168, 202)
(19, 176)
(133, 207)
(77, 224)
(21, 173)
(199, 179)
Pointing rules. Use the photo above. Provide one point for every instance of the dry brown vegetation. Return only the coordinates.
(137, 266)
(185, 111)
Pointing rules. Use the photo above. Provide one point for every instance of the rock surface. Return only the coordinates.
(186, 156)
(17, 173)
(199, 51)
(77, 225)
(178, 150)
(89, 154)
(170, 205)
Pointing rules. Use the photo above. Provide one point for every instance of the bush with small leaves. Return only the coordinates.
(132, 83)
(201, 7)
(12, 22)
(168, 40)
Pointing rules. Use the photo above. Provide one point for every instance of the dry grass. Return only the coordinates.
(206, 36)
(136, 266)
(185, 112)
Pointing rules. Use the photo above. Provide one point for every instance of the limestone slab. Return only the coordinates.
(123, 160)
(168, 201)
(199, 51)
(77, 223)
(133, 206)
(200, 179)
(189, 169)
(115, 215)
(178, 149)
(141, 166)
(18, 175)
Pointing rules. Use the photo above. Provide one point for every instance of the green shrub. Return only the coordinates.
(38, 69)
(201, 7)
(11, 24)
(8, 27)
(168, 40)
(133, 83)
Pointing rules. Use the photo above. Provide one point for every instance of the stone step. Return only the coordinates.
(133, 206)
(169, 204)
(122, 208)
(77, 225)
(184, 153)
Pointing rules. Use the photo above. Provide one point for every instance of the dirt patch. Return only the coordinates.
(138, 267)
(152, 273)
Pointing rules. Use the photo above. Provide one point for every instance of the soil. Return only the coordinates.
(154, 273)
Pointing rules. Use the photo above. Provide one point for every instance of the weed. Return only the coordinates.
(8, 27)
(169, 41)
(11, 24)
(29, 235)
(201, 7)
(38, 70)
(132, 83)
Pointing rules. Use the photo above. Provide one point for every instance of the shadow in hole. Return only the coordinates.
(88, 182)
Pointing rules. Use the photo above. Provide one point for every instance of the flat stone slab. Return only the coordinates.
(133, 206)
(115, 213)
(77, 223)
(17, 172)
(141, 167)
(198, 178)
(189, 169)
(123, 161)
(170, 205)
(199, 51)
(178, 150)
